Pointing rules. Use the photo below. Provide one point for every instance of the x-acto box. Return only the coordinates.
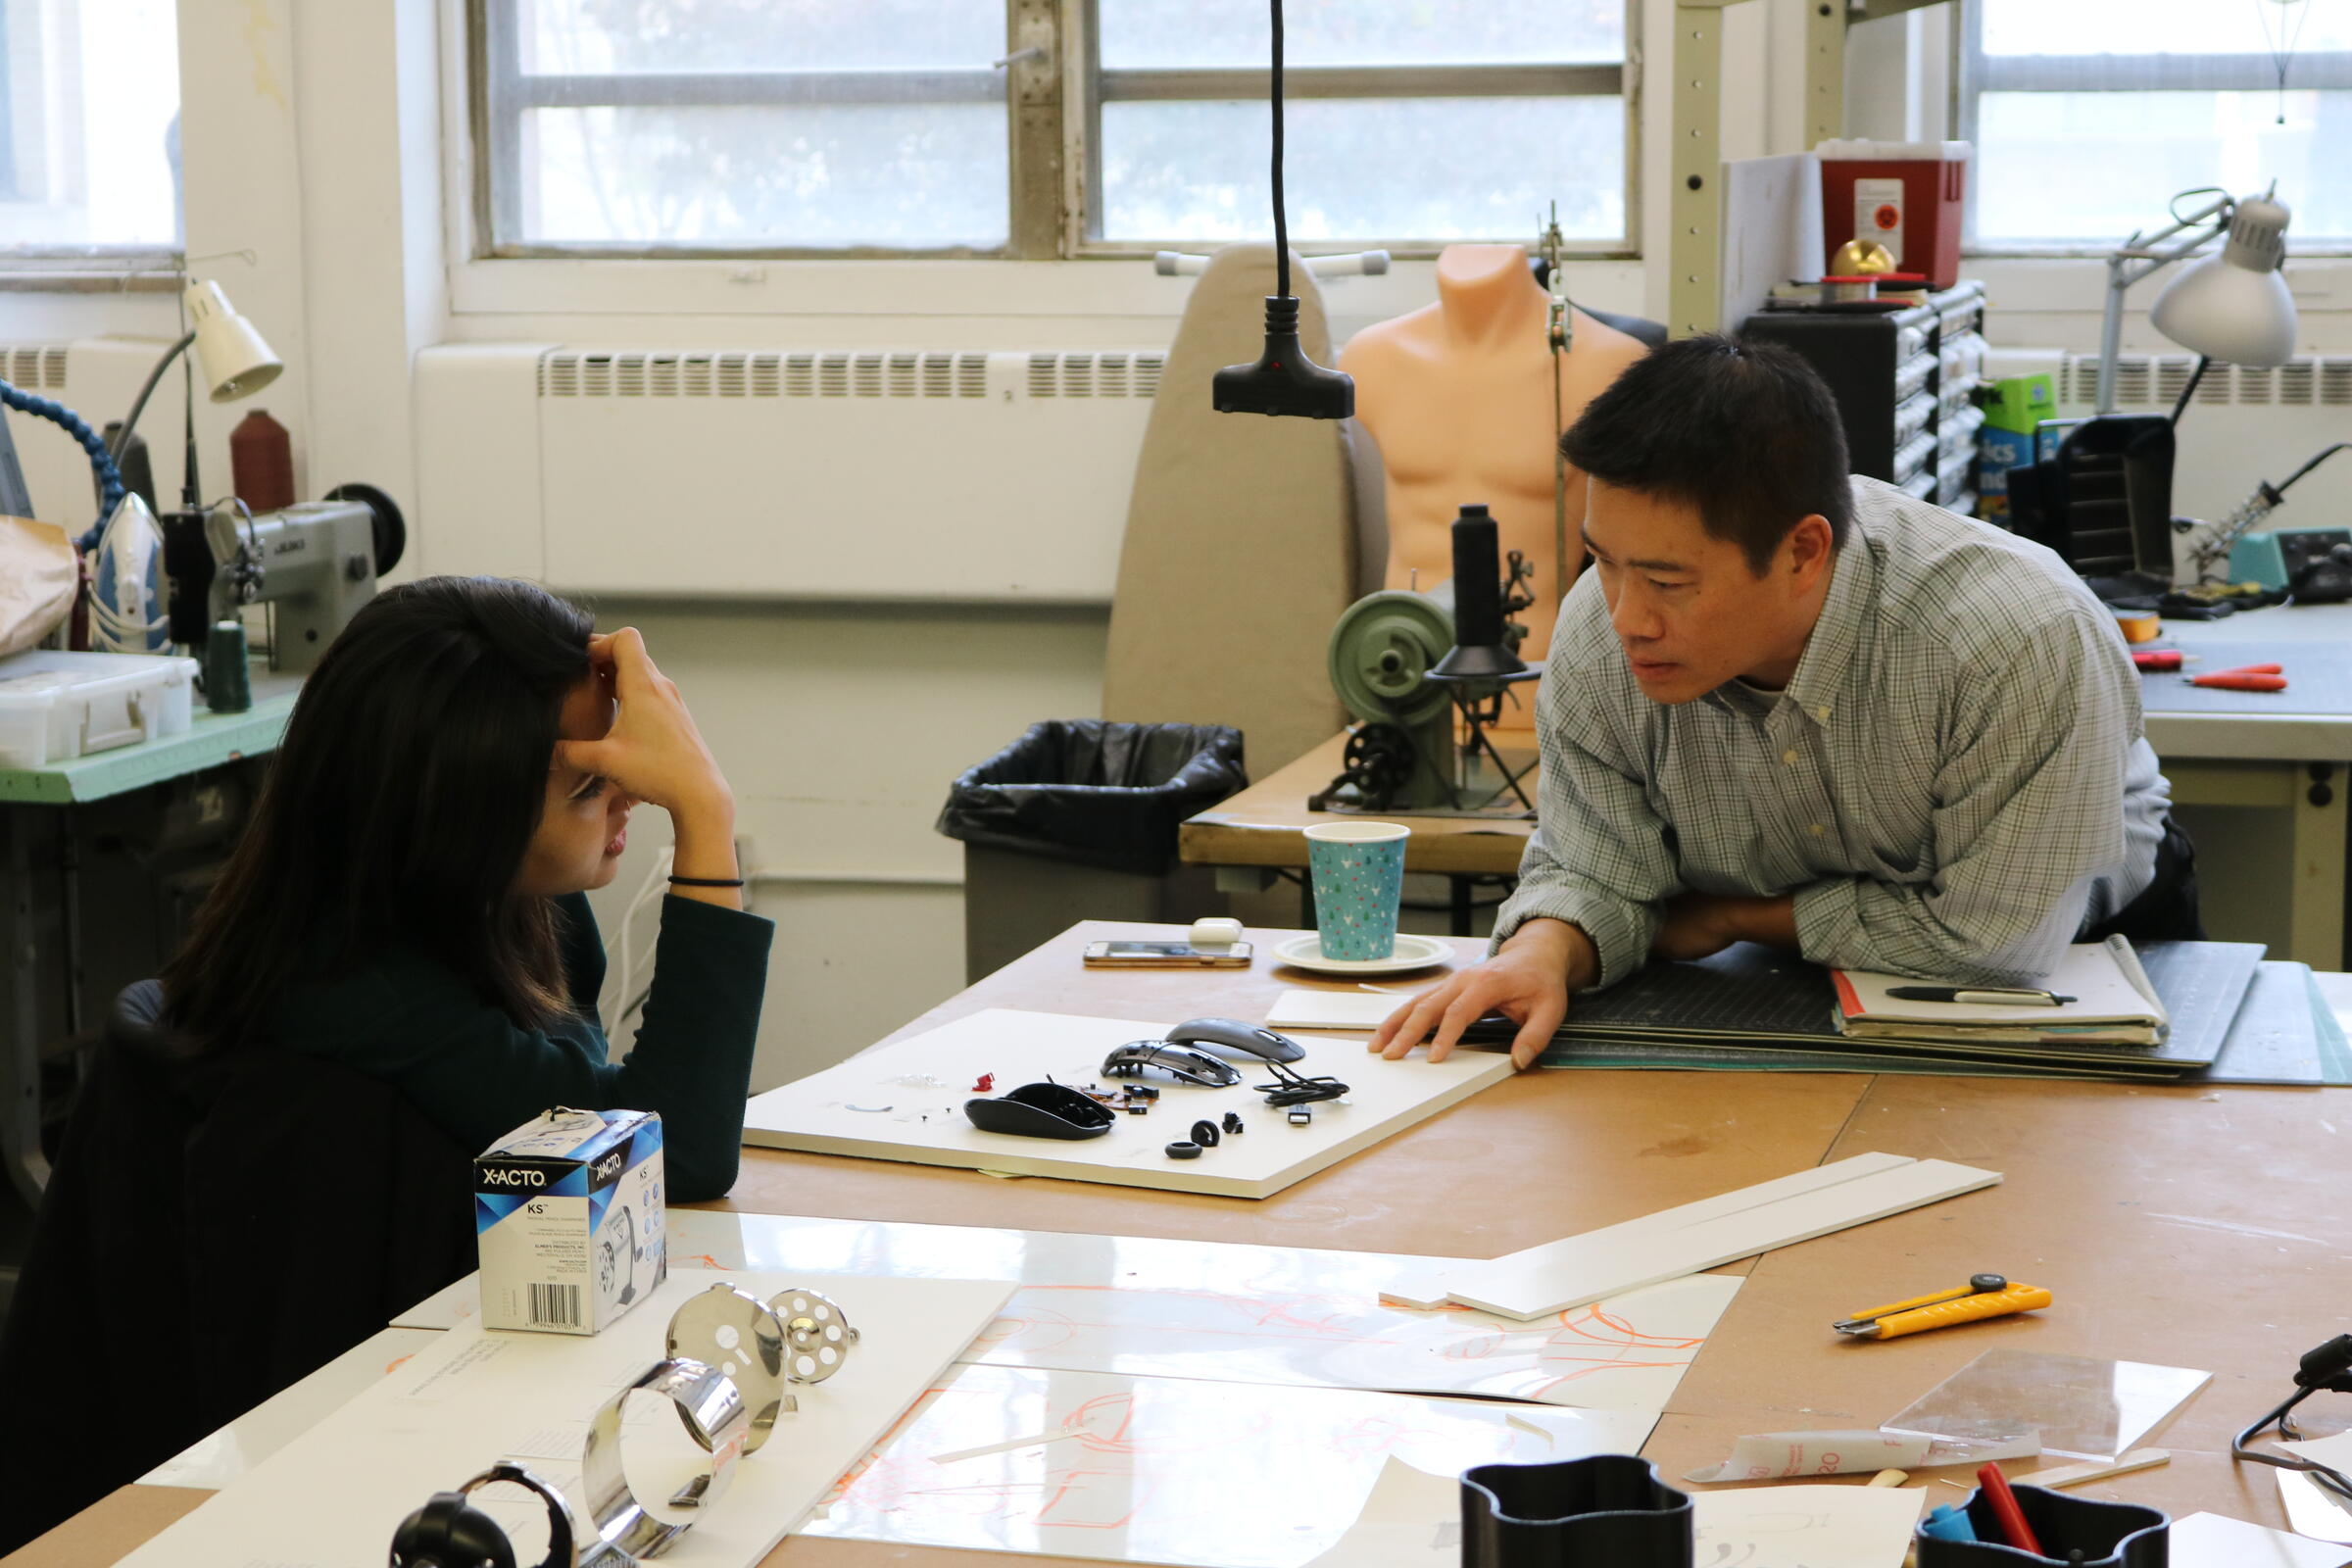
(567, 1215)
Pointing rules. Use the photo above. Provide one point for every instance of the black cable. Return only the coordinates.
(139, 404)
(2191, 390)
(1282, 228)
(2325, 1476)
(2331, 452)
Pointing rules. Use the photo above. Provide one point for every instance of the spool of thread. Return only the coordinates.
(227, 684)
(261, 463)
(1477, 579)
(2139, 625)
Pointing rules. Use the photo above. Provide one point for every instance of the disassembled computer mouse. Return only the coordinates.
(1232, 1034)
(1188, 1065)
(1042, 1110)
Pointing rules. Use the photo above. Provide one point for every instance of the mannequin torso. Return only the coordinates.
(1459, 395)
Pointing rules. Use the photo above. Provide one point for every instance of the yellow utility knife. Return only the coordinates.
(1983, 1296)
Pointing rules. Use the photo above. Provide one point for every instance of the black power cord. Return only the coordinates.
(2328, 1367)
(1282, 226)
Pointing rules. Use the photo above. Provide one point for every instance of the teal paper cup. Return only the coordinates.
(1358, 868)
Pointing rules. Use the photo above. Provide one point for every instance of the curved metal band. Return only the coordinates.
(563, 1550)
(710, 1409)
(755, 1358)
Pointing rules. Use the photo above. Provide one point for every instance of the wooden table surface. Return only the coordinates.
(1260, 826)
(2198, 1227)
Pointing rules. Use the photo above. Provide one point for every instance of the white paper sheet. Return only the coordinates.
(333, 1499)
(1783, 1455)
(1411, 1520)
(1806, 1527)
(2210, 1541)
(1167, 1470)
(904, 1101)
(1625, 1353)
(2312, 1508)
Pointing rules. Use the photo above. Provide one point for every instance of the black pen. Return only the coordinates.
(1979, 996)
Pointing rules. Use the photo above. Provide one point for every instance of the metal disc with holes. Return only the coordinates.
(816, 1336)
(743, 1337)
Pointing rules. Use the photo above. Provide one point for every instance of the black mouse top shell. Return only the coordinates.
(1188, 1065)
(1042, 1110)
(1233, 1034)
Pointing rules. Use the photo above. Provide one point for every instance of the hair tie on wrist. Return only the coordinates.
(705, 882)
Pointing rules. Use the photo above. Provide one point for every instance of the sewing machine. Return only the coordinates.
(1425, 679)
(316, 563)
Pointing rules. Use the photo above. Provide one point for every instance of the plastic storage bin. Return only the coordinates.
(56, 706)
(1907, 195)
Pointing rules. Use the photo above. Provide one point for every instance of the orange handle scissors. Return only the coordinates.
(1983, 1296)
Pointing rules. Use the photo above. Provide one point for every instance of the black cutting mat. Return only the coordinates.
(2318, 681)
(1751, 998)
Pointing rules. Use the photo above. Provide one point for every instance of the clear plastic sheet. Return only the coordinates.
(2081, 1407)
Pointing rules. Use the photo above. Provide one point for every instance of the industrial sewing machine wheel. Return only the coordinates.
(1378, 763)
(818, 1337)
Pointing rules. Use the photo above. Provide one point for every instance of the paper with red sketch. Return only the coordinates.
(1626, 1353)
(1179, 1470)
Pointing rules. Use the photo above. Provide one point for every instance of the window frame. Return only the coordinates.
(1977, 74)
(1055, 88)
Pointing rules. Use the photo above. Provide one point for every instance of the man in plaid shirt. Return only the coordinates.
(1790, 707)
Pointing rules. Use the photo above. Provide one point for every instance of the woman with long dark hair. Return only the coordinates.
(408, 899)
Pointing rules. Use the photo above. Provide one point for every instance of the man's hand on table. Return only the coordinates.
(1701, 923)
(1528, 981)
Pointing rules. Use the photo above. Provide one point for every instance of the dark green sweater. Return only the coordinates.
(415, 1023)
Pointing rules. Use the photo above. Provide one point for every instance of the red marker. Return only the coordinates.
(2011, 1517)
(2256, 679)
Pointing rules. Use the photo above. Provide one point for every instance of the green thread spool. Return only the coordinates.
(227, 685)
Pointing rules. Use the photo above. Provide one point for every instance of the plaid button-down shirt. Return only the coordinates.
(1953, 786)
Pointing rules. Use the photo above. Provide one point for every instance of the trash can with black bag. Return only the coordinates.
(1077, 820)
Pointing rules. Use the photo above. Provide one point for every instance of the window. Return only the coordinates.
(89, 129)
(2080, 142)
(1438, 120)
(862, 127)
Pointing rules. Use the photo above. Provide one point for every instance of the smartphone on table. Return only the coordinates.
(1165, 956)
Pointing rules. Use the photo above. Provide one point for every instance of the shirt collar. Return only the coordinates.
(1820, 681)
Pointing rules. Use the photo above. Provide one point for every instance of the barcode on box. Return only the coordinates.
(556, 1306)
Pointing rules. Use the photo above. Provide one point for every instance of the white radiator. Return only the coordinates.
(96, 377)
(881, 474)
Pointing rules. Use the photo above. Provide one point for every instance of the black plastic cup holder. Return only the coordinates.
(2109, 1534)
(1606, 1511)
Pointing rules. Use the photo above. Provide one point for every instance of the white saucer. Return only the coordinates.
(1412, 952)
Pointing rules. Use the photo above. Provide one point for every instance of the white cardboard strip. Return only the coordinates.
(1432, 1291)
(1582, 1269)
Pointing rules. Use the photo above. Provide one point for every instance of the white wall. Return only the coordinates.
(314, 136)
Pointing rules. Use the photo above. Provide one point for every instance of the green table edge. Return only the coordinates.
(211, 740)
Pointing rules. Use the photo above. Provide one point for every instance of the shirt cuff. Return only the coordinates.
(1620, 932)
(1829, 921)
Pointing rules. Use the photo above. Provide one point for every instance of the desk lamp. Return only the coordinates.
(2233, 306)
(236, 363)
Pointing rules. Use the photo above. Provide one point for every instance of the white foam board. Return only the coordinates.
(913, 1091)
(1581, 1269)
(1303, 1008)
(474, 1395)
